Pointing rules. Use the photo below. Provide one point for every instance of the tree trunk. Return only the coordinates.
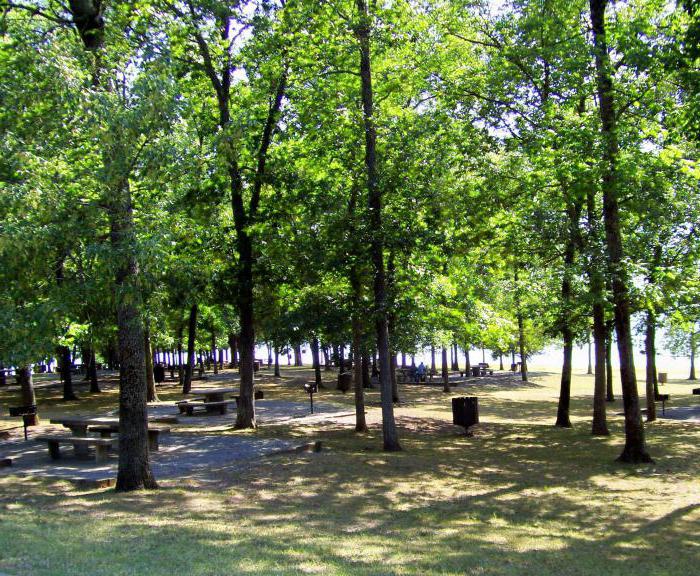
(650, 344)
(25, 380)
(366, 376)
(151, 394)
(94, 384)
(297, 355)
(316, 360)
(521, 329)
(635, 450)
(600, 425)
(326, 358)
(500, 361)
(403, 360)
(609, 394)
(693, 336)
(362, 30)
(467, 362)
(455, 361)
(360, 360)
(445, 372)
(277, 362)
(213, 352)
(590, 357)
(245, 416)
(573, 213)
(394, 382)
(191, 338)
(66, 376)
(433, 366)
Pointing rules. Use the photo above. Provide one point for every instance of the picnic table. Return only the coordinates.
(79, 426)
(213, 394)
(210, 399)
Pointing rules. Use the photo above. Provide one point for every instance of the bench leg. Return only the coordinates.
(101, 453)
(54, 451)
(189, 410)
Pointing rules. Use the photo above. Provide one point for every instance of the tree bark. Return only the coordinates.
(573, 213)
(635, 450)
(316, 360)
(693, 337)
(600, 425)
(151, 394)
(94, 384)
(25, 380)
(467, 362)
(277, 362)
(362, 30)
(64, 358)
(609, 394)
(213, 352)
(360, 360)
(590, 356)
(445, 372)
(650, 344)
(191, 339)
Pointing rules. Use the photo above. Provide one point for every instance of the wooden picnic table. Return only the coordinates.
(213, 394)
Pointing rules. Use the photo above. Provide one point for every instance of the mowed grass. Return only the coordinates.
(519, 497)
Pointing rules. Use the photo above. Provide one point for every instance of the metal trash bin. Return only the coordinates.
(465, 411)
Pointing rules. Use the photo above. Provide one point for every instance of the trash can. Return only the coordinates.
(663, 377)
(159, 373)
(344, 381)
(465, 411)
(476, 371)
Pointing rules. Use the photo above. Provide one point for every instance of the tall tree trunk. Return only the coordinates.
(596, 282)
(467, 362)
(366, 376)
(213, 351)
(600, 425)
(66, 376)
(445, 372)
(25, 380)
(500, 361)
(609, 394)
(94, 384)
(521, 328)
(191, 339)
(433, 366)
(693, 344)
(245, 416)
(233, 345)
(635, 450)
(297, 355)
(590, 356)
(316, 361)
(573, 213)
(650, 344)
(277, 362)
(361, 361)
(151, 394)
(326, 358)
(403, 360)
(362, 30)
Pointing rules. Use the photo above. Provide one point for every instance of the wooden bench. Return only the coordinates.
(220, 406)
(102, 445)
(154, 432)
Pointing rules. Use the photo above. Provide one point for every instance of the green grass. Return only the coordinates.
(520, 497)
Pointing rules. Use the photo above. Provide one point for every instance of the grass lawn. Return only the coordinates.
(520, 497)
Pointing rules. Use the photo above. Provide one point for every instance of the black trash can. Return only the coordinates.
(344, 381)
(159, 373)
(465, 411)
